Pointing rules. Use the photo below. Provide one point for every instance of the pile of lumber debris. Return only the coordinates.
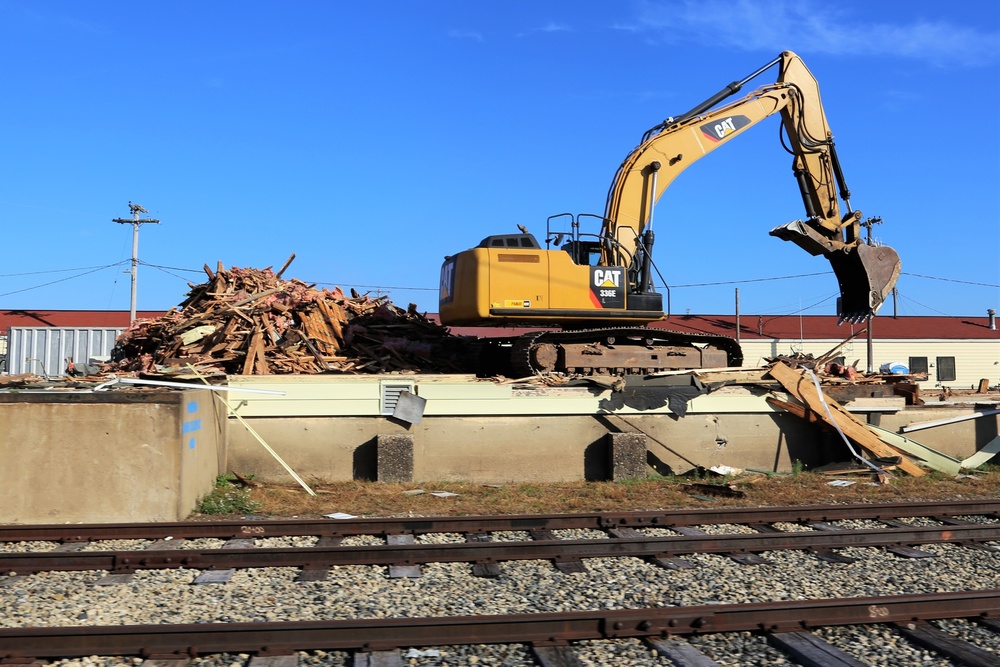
(246, 321)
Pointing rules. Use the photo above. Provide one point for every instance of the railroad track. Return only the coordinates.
(787, 625)
(666, 540)
(621, 535)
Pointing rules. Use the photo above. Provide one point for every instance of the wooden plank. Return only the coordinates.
(803, 389)
(248, 363)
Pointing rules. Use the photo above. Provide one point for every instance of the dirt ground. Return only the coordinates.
(371, 499)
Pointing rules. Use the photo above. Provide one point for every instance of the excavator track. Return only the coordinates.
(620, 351)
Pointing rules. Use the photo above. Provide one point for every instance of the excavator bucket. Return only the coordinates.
(866, 275)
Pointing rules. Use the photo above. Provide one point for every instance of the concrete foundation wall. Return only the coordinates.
(107, 457)
(959, 440)
(523, 449)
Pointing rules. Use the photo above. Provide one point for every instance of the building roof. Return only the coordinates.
(43, 317)
(789, 327)
(807, 327)
(752, 327)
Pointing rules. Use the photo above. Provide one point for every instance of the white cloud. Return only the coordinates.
(556, 27)
(466, 34)
(815, 27)
(549, 27)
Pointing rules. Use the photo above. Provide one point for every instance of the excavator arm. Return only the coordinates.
(866, 274)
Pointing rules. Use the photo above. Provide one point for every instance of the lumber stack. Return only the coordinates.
(246, 321)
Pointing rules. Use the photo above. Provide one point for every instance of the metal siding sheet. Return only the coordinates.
(44, 350)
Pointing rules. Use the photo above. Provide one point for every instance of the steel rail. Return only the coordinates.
(490, 552)
(194, 640)
(479, 524)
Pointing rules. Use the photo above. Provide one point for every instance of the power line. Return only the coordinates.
(81, 268)
(385, 287)
(948, 280)
(174, 268)
(164, 270)
(751, 280)
(899, 296)
(62, 280)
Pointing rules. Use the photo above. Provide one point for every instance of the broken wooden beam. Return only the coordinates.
(802, 387)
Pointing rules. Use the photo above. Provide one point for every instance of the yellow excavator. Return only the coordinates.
(598, 287)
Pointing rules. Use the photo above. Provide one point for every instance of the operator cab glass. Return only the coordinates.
(526, 241)
(584, 253)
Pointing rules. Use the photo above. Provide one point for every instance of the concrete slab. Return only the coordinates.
(108, 456)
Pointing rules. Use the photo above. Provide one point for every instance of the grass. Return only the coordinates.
(229, 498)
(383, 499)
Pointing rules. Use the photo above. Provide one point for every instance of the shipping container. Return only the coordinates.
(46, 350)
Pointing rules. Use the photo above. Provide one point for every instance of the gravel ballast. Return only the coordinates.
(524, 587)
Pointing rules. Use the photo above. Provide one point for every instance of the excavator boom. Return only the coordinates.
(830, 228)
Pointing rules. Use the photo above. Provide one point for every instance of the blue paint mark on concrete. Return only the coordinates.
(191, 443)
(191, 426)
(192, 406)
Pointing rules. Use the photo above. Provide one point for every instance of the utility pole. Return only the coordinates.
(135, 222)
(868, 224)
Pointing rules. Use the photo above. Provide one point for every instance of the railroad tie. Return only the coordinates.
(555, 655)
(403, 570)
(681, 653)
(290, 660)
(958, 650)
(319, 572)
(223, 576)
(566, 566)
(119, 578)
(743, 558)
(378, 659)
(952, 521)
(809, 650)
(666, 562)
(487, 570)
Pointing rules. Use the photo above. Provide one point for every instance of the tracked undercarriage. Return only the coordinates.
(608, 351)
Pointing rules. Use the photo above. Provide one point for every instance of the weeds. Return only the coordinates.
(228, 498)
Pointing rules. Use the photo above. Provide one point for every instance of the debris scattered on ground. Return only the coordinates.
(722, 490)
(252, 322)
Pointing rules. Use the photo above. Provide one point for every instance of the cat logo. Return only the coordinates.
(607, 277)
(719, 130)
(447, 287)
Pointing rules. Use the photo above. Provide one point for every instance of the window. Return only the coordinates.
(918, 365)
(946, 369)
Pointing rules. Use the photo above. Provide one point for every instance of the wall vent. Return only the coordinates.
(390, 395)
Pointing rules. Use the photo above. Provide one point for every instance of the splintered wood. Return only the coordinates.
(251, 322)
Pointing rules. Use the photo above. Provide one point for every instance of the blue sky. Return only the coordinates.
(373, 139)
